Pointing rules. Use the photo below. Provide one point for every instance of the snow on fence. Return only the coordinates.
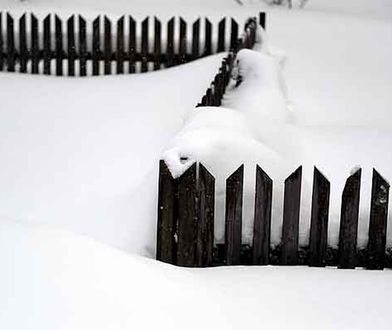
(186, 222)
(48, 46)
(214, 94)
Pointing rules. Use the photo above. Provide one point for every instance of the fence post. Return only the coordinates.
(10, 44)
(23, 53)
(208, 38)
(205, 233)
(234, 33)
(291, 210)
(233, 227)
(262, 20)
(34, 45)
(1, 42)
(71, 49)
(47, 45)
(378, 222)
(262, 218)
(319, 220)
(170, 42)
(221, 35)
(167, 217)
(132, 45)
(349, 222)
(59, 45)
(187, 218)
(183, 42)
(82, 47)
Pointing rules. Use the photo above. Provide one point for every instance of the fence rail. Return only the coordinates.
(186, 222)
(74, 47)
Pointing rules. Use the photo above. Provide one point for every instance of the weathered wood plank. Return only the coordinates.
(187, 219)
(71, 46)
(183, 42)
(349, 222)
(59, 45)
(120, 46)
(291, 211)
(262, 20)
(132, 45)
(234, 34)
(145, 45)
(221, 35)
(205, 231)
(96, 46)
(34, 45)
(108, 49)
(262, 218)
(10, 44)
(82, 47)
(233, 226)
(1, 42)
(196, 39)
(24, 54)
(208, 38)
(319, 220)
(166, 250)
(47, 45)
(378, 222)
(170, 43)
(157, 43)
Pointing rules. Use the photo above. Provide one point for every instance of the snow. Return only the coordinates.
(52, 279)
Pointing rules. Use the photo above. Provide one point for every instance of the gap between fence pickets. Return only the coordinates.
(115, 46)
(186, 222)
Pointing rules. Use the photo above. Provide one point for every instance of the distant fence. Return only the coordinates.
(186, 222)
(214, 94)
(52, 46)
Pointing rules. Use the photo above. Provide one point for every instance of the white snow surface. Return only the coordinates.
(52, 279)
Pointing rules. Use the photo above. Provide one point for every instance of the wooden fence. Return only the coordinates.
(52, 46)
(214, 94)
(186, 222)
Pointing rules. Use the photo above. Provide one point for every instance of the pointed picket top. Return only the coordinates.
(349, 221)
(319, 220)
(378, 222)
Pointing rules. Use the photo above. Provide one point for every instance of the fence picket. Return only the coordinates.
(82, 47)
(96, 47)
(221, 35)
(166, 243)
(183, 43)
(291, 209)
(59, 45)
(1, 42)
(319, 220)
(187, 226)
(157, 43)
(120, 46)
(262, 218)
(71, 47)
(47, 45)
(378, 222)
(262, 19)
(205, 233)
(234, 34)
(23, 52)
(170, 42)
(132, 45)
(349, 222)
(196, 39)
(233, 215)
(10, 44)
(208, 38)
(34, 45)
(107, 50)
(145, 45)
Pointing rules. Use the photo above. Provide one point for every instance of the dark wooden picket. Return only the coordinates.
(167, 208)
(319, 220)
(262, 218)
(234, 34)
(120, 46)
(378, 222)
(71, 45)
(132, 45)
(96, 47)
(145, 45)
(208, 38)
(82, 47)
(196, 39)
(1, 42)
(221, 35)
(22, 45)
(349, 222)
(157, 43)
(291, 211)
(10, 44)
(183, 42)
(107, 51)
(262, 19)
(170, 43)
(59, 45)
(233, 226)
(187, 214)
(34, 45)
(47, 45)
(205, 231)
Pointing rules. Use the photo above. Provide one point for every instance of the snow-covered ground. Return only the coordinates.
(82, 154)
